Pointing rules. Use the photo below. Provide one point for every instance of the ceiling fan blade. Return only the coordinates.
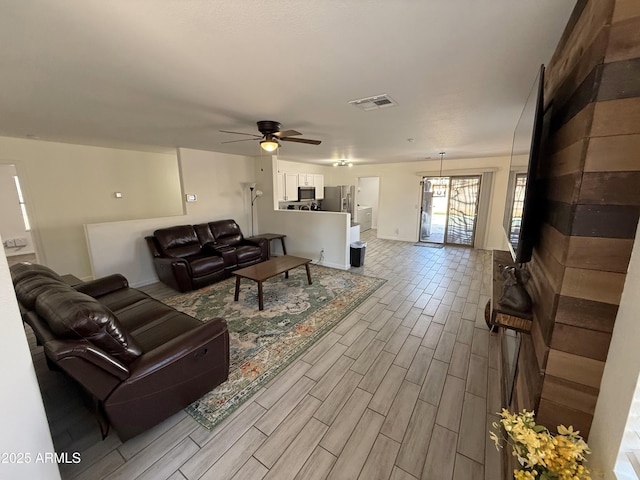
(301, 140)
(243, 140)
(241, 133)
(286, 133)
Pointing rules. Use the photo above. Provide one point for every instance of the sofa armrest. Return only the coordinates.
(59, 349)
(152, 243)
(102, 286)
(175, 272)
(169, 378)
(96, 371)
(263, 243)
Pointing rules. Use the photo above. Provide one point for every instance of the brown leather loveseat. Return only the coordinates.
(188, 257)
(139, 359)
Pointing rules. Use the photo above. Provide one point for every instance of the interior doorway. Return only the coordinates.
(449, 209)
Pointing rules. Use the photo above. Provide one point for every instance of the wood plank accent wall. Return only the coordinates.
(591, 175)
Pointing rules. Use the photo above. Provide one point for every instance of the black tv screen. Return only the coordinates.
(521, 221)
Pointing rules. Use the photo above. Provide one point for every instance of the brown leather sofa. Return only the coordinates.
(139, 359)
(188, 257)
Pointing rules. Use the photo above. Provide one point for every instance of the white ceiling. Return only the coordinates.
(172, 73)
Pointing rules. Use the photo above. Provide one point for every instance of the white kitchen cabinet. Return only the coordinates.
(312, 180)
(290, 187)
(318, 182)
(364, 218)
(305, 180)
(288, 184)
(287, 187)
(280, 182)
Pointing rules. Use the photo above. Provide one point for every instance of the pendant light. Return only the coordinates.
(441, 158)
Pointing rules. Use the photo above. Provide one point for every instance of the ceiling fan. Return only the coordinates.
(271, 135)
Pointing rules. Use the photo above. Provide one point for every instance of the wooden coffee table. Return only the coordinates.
(265, 270)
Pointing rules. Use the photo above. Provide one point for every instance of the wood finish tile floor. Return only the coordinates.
(404, 388)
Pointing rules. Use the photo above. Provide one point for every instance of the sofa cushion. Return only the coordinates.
(247, 253)
(180, 241)
(72, 314)
(205, 265)
(204, 233)
(226, 232)
(122, 298)
(28, 289)
(22, 270)
(163, 329)
(141, 313)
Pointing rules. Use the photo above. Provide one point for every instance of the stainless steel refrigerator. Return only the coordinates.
(340, 199)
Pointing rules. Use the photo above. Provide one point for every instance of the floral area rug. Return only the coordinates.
(263, 343)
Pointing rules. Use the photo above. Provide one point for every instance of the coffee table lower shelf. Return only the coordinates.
(265, 270)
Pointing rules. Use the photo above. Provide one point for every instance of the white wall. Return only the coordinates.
(219, 181)
(120, 247)
(11, 221)
(399, 204)
(24, 422)
(620, 375)
(399, 191)
(290, 166)
(66, 186)
(307, 232)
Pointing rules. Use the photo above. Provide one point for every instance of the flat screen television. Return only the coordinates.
(521, 221)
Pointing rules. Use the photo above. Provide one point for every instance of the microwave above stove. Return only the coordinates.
(306, 193)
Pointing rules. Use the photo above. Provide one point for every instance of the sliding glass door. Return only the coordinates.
(463, 210)
(449, 209)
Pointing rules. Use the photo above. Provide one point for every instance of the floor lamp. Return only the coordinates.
(253, 200)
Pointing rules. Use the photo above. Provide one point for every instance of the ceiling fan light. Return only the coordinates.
(342, 163)
(269, 145)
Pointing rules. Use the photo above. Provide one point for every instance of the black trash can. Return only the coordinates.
(357, 253)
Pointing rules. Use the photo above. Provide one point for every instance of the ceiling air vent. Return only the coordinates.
(374, 103)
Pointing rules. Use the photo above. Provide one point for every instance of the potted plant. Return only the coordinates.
(542, 455)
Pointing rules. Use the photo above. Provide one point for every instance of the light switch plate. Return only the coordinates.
(118, 194)
(191, 197)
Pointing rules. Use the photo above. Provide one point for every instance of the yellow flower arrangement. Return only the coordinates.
(543, 456)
